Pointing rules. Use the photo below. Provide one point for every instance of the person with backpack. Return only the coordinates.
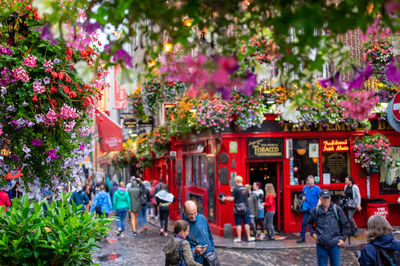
(329, 227)
(353, 203)
(102, 202)
(311, 193)
(80, 198)
(177, 251)
(135, 193)
(382, 248)
(121, 204)
(240, 196)
(163, 200)
(144, 197)
(254, 208)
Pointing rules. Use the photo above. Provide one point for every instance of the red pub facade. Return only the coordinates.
(202, 166)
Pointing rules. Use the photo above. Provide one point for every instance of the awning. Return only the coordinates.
(110, 133)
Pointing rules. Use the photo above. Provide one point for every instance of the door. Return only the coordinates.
(268, 172)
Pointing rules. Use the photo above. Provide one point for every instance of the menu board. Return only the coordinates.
(336, 165)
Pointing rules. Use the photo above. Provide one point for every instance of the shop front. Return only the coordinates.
(284, 155)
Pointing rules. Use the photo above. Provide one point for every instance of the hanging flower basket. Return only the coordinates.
(371, 151)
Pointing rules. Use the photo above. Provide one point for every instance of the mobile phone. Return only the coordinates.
(204, 246)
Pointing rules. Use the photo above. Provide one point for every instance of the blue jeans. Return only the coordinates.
(142, 216)
(304, 224)
(121, 213)
(333, 253)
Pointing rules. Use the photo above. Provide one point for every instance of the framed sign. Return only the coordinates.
(233, 146)
(264, 147)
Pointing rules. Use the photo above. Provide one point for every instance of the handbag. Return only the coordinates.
(181, 261)
(350, 204)
(211, 258)
(239, 209)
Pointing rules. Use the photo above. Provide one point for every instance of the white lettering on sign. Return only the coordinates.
(396, 106)
(382, 212)
(113, 141)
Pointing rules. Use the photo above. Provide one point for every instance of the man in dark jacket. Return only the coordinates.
(329, 227)
(80, 198)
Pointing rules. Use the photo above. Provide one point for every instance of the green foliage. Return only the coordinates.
(60, 236)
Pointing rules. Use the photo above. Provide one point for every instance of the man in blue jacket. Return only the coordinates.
(311, 194)
(200, 237)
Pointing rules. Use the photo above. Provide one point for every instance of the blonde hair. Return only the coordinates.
(122, 184)
(377, 226)
(269, 189)
(238, 179)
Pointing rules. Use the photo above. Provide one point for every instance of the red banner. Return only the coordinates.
(110, 133)
(120, 93)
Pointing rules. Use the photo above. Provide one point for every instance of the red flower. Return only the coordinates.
(52, 90)
(72, 94)
(67, 79)
(61, 75)
(66, 89)
(34, 98)
(54, 74)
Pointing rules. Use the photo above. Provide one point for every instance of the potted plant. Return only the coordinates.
(371, 150)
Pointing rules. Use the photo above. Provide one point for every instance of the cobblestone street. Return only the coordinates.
(146, 249)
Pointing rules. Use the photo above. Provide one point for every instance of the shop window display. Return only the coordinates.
(305, 160)
(196, 171)
(188, 168)
(203, 172)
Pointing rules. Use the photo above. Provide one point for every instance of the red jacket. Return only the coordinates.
(270, 203)
(4, 199)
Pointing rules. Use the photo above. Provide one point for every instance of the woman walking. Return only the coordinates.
(178, 249)
(271, 208)
(253, 206)
(121, 203)
(380, 241)
(353, 204)
(134, 194)
(164, 199)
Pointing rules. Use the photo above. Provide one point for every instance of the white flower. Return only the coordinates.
(263, 71)
(288, 111)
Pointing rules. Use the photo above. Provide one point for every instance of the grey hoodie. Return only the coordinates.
(171, 251)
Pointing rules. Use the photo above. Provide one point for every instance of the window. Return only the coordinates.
(335, 160)
(305, 160)
(188, 168)
(196, 171)
(203, 172)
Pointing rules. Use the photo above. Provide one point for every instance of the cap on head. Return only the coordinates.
(325, 193)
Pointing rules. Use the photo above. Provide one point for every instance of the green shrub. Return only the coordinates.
(59, 236)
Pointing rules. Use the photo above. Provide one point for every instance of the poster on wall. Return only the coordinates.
(313, 150)
(389, 181)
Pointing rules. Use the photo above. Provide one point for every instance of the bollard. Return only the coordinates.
(228, 231)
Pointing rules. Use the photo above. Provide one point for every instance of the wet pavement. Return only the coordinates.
(146, 249)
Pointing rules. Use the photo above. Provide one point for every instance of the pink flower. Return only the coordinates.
(51, 118)
(30, 61)
(20, 74)
(48, 65)
(69, 126)
(38, 87)
(68, 112)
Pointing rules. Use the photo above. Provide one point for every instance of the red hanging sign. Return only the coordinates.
(110, 133)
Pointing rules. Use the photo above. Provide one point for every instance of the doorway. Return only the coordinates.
(268, 172)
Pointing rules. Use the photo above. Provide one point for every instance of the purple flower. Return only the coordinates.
(52, 154)
(91, 27)
(24, 104)
(21, 122)
(14, 157)
(249, 85)
(11, 108)
(360, 75)
(225, 93)
(82, 146)
(26, 149)
(46, 34)
(39, 118)
(56, 61)
(335, 82)
(46, 80)
(121, 54)
(36, 142)
(392, 73)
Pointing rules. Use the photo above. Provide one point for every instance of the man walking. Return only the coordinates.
(240, 196)
(329, 227)
(200, 237)
(311, 194)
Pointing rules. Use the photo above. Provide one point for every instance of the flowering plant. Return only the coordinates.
(247, 111)
(378, 53)
(159, 141)
(182, 118)
(371, 150)
(144, 152)
(46, 109)
(212, 113)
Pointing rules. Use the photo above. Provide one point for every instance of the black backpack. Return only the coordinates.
(385, 257)
(299, 204)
